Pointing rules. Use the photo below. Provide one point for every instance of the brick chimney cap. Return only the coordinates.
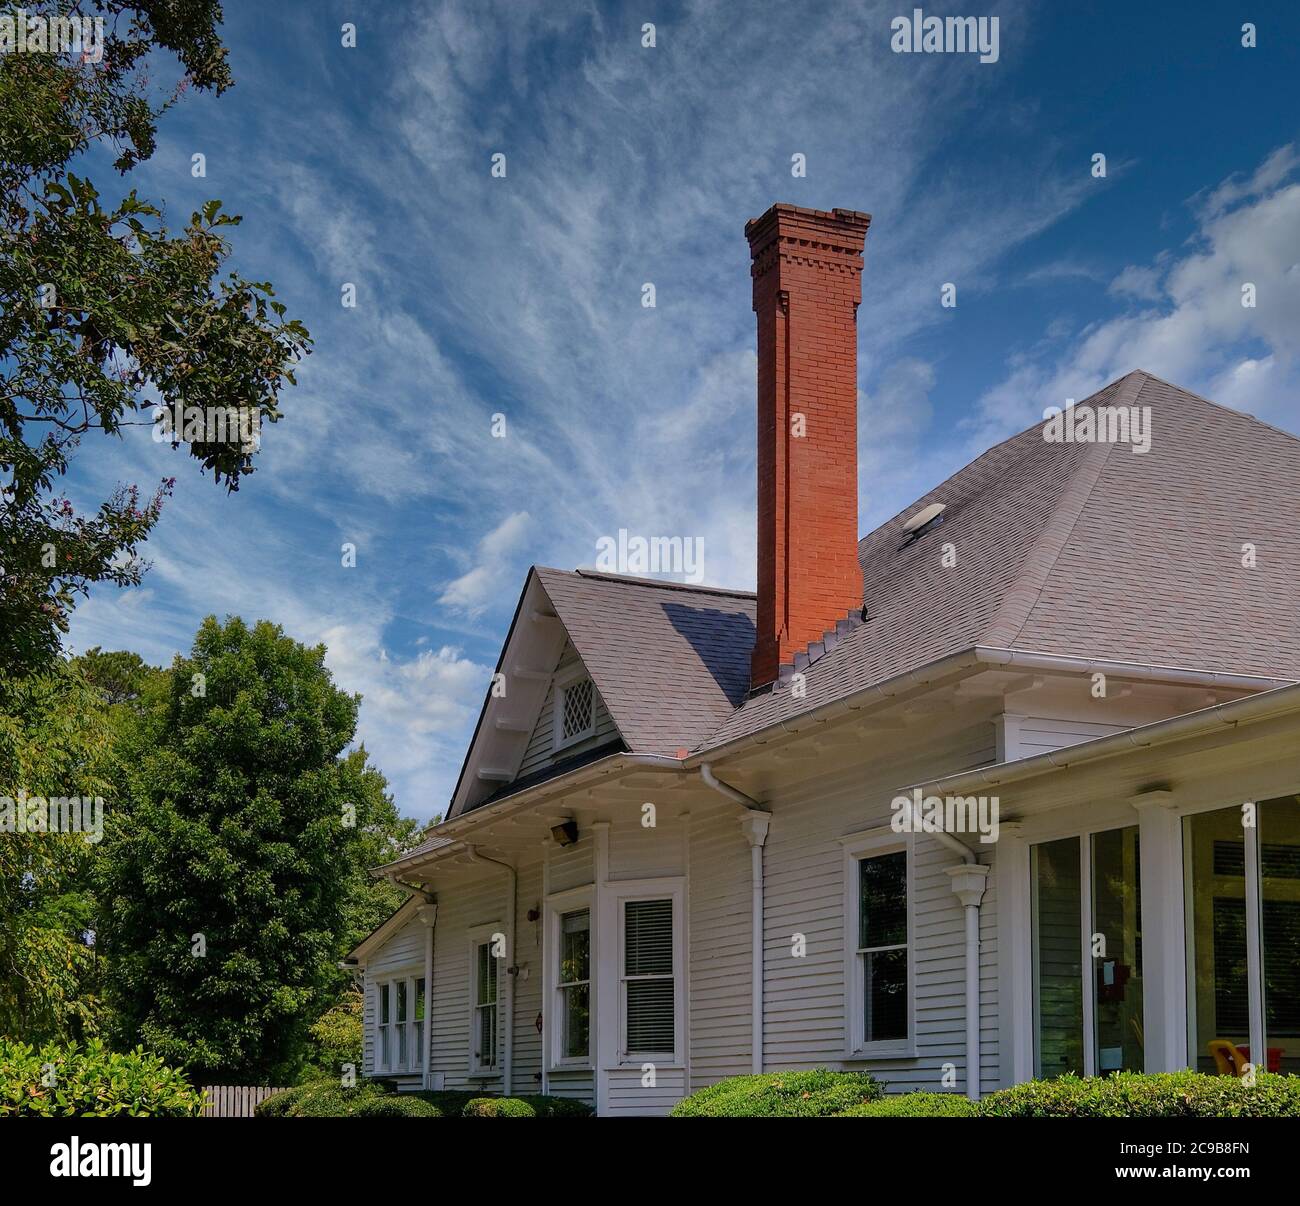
(852, 222)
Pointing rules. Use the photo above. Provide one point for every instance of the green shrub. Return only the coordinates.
(278, 1104)
(397, 1105)
(379, 1099)
(1157, 1095)
(817, 1094)
(498, 1107)
(90, 1082)
(914, 1105)
(556, 1107)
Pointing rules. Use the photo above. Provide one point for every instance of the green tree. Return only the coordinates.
(106, 313)
(54, 741)
(228, 886)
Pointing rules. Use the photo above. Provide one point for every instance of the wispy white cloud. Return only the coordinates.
(1193, 327)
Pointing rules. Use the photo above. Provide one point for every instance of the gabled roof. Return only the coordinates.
(670, 662)
(1086, 550)
(1070, 549)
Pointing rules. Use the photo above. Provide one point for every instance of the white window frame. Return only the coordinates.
(616, 895)
(478, 936)
(873, 843)
(559, 904)
(386, 1033)
(564, 679)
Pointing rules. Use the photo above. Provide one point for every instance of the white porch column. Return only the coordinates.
(1164, 961)
(1015, 958)
(428, 915)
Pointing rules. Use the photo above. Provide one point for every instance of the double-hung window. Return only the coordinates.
(486, 958)
(648, 978)
(573, 985)
(877, 940)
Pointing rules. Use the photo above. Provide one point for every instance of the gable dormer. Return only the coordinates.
(573, 719)
(543, 710)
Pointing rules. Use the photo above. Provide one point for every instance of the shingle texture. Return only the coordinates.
(670, 662)
(1088, 550)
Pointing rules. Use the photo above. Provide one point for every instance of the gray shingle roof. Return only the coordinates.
(1086, 550)
(670, 661)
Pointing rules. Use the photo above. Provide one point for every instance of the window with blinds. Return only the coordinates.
(650, 995)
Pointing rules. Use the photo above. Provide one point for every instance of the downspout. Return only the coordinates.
(968, 882)
(755, 824)
(428, 914)
(508, 1043)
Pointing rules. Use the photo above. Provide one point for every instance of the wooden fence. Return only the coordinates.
(235, 1101)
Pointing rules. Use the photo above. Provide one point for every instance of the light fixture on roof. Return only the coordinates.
(924, 518)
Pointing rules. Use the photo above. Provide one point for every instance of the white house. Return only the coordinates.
(678, 849)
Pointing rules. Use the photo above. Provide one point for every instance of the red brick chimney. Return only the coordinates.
(807, 270)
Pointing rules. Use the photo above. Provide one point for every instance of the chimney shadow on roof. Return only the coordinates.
(722, 640)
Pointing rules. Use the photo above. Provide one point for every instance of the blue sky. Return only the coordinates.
(625, 165)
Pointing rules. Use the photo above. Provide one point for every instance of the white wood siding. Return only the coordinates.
(720, 950)
(540, 752)
(804, 1003)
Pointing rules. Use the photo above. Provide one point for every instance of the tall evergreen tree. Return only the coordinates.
(228, 884)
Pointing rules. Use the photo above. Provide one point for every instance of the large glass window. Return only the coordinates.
(1242, 881)
(1058, 974)
(1087, 911)
(1279, 870)
(1116, 948)
(882, 945)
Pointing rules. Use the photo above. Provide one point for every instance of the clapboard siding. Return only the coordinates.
(1040, 734)
(540, 751)
(804, 1006)
(804, 996)
(720, 950)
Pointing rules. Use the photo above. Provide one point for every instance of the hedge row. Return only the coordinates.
(824, 1094)
(370, 1099)
(64, 1081)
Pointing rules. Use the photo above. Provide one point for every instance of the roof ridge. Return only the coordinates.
(1232, 410)
(994, 447)
(1018, 604)
(662, 583)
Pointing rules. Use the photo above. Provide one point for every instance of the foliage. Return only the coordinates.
(404, 1106)
(379, 1099)
(64, 1081)
(815, 1094)
(382, 835)
(54, 741)
(497, 1107)
(240, 841)
(106, 312)
(914, 1105)
(337, 1037)
(1149, 1095)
